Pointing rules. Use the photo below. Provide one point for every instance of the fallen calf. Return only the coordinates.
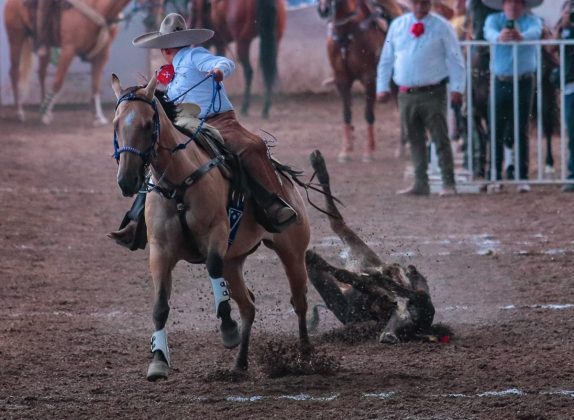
(368, 289)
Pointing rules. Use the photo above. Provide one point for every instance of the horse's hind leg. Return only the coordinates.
(370, 96)
(161, 267)
(98, 65)
(243, 55)
(344, 88)
(233, 273)
(66, 57)
(17, 50)
(44, 61)
(294, 265)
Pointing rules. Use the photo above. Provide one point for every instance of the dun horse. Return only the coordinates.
(357, 33)
(86, 31)
(241, 21)
(199, 232)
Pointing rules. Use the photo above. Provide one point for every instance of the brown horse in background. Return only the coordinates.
(197, 229)
(358, 30)
(241, 21)
(79, 35)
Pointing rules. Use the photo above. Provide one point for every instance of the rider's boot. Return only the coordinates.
(132, 232)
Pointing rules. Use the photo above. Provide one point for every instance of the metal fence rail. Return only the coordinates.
(469, 46)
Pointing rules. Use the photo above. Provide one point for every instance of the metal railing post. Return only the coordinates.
(493, 175)
(562, 115)
(516, 111)
(470, 113)
(539, 112)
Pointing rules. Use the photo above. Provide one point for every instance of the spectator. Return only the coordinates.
(565, 30)
(513, 24)
(459, 20)
(421, 53)
(478, 12)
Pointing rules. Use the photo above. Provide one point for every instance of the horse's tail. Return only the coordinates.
(26, 65)
(267, 20)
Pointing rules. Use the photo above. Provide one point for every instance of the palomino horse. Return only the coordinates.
(358, 32)
(241, 21)
(199, 232)
(86, 32)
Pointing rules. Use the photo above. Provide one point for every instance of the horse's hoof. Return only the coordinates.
(344, 157)
(367, 158)
(388, 338)
(21, 115)
(158, 369)
(47, 118)
(99, 122)
(230, 336)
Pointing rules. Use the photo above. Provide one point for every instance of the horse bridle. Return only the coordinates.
(333, 10)
(148, 153)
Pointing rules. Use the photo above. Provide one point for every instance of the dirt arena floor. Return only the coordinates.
(76, 308)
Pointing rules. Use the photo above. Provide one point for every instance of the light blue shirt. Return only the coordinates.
(191, 65)
(422, 61)
(530, 28)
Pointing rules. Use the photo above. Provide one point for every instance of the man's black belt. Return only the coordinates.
(422, 89)
(511, 78)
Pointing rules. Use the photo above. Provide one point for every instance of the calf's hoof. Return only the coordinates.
(388, 338)
(158, 369)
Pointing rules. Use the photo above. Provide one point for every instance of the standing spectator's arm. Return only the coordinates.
(534, 29)
(454, 60)
(385, 66)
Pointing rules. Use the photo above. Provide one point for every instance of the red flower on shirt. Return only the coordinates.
(418, 29)
(165, 74)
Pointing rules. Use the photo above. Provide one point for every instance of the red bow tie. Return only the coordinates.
(418, 29)
(165, 74)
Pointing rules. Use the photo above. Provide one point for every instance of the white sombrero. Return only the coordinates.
(497, 4)
(173, 33)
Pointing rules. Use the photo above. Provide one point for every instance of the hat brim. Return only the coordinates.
(497, 4)
(174, 39)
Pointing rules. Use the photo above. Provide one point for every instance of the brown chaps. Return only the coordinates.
(250, 148)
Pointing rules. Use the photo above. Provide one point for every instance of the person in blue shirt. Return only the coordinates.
(565, 30)
(191, 64)
(514, 24)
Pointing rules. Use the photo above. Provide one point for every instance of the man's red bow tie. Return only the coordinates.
(418, 29)
(165, 74)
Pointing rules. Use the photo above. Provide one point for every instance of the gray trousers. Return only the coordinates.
(422, 112)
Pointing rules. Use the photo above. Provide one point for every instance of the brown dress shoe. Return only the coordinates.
(415, 190)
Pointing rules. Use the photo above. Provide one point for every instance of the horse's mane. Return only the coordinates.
(169, 107)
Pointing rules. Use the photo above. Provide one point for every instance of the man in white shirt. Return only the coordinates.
(422, 54)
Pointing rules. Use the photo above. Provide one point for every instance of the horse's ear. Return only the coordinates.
(116, 86)
(150, 88)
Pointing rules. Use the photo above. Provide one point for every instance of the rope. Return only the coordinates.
(216, 95)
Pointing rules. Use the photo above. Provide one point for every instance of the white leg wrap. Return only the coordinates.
(220, 291)
(98, 108)
(159, 343)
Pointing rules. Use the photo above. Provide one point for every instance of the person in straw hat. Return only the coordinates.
(514, 23)
(191, 64)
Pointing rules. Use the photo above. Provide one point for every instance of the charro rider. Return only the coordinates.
(191, 64)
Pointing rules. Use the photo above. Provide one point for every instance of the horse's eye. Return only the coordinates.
(148, 126)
